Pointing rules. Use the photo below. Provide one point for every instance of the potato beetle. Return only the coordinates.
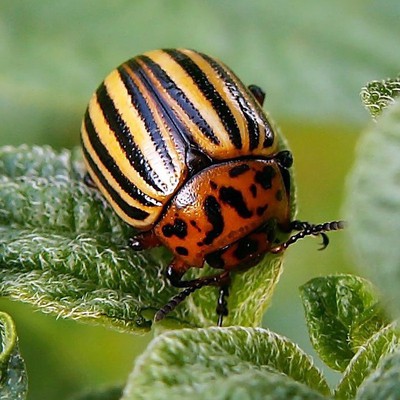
(183, 152)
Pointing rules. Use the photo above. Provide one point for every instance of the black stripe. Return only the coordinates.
(247, 110)
(132, 212)
(125, 140)
(269, 135)
(211, 94)
(174, 126)
(179, 96)
(214, 216)
(146, 115)
(111, 166)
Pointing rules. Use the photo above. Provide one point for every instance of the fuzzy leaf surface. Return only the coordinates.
(378, 95)
(63, 249)
(342, 314)
(224, 363)
(384, 383)
(366, 360)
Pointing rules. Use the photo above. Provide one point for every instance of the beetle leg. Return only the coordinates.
(307, 229)
(303, 225)
(222, 305)
(173, 303)
(258, 93)
(175, 271)
(144, 240)
(221, 279)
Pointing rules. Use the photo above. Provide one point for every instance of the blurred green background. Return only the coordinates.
(311, 57)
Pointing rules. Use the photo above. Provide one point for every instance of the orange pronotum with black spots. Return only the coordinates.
(183, 151)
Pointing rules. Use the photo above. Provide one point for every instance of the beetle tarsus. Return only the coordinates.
(307, 229)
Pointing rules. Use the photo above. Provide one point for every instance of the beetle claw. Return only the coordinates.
(325, 241)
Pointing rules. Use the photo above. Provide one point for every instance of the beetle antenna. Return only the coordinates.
(307, 229)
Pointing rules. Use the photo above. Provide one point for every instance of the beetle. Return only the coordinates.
(184, 153)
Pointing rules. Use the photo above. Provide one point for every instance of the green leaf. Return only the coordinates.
(384, 383)
(13, 378)
(378, 95)
(64, 250)
(224, 363)
(373, 204)
(341, 314)
(366, 361)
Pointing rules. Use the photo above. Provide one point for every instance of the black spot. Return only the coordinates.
(212, 210)
(264, 177)
(183, 251)
(253, 190)
(179, 229)
(245, 248)
(238, 170)
(195, 226)
(234, 198)
(279, 195)
(260, 210)
(215, 259)
(213, 185)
